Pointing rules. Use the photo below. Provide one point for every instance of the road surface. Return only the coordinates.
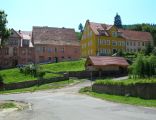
(68, 104)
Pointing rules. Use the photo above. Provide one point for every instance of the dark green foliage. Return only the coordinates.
(117, 21)
(120, 53)
(1, 79)
(33, 70)
(80, 27)
(148, 49)
(154, 51)
(4, 32)
(79, 35)
(143, 67)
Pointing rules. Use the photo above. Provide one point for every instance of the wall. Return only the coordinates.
(88, 74)
(70, 52)
(145, 91)
(26, 84)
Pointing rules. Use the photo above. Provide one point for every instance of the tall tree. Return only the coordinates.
(4, 32)
(117, 21)
(80, 27)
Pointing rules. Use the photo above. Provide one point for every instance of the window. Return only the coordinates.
(134, 43)
(127, 43)
(108, 42)
(55, 49)
(62, 50)
(49, 49)
(123, 43)
(114, 43)
(143, 43)
(43, 49)
(114, 34)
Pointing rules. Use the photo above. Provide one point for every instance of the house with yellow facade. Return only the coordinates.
(101, 40)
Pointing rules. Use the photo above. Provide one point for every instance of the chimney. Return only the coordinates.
(19, 31)
(88, 21)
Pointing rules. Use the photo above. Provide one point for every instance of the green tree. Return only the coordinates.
(4, 32)
(154, 51)
(148, 49)
(80, 27)
(117, 21)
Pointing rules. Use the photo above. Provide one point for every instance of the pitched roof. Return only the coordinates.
(99, 28)
(55, 36)
(25, 34)
(107, 60)
(136, 35)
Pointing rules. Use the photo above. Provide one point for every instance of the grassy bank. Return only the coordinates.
(125, 82)
(119, 99)
(13, 75)
(53, 85)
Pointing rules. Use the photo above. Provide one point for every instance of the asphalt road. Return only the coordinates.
(68, 104)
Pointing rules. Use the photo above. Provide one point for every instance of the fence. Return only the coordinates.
(26, 84)
(142, 90)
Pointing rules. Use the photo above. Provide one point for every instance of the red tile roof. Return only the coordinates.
(136, 35)
(99, 27)
(107, 61)
(55, 36)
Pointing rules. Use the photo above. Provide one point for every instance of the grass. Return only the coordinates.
(65, 66)
(13, 75)
(7, 105)
(53, 85)
(125, 82)
(119, 99)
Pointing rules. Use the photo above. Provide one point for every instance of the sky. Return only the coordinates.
(23, 14)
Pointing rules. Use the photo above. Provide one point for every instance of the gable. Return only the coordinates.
(14, 34)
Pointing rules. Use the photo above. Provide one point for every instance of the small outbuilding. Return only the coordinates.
(106, 63)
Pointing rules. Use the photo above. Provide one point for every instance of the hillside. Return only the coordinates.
(14, 75)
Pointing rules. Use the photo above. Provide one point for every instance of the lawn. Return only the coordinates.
(119, 99)
(13, 75)
(53, 85)
(65, 66)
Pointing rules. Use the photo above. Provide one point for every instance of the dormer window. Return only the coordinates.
(114, 34)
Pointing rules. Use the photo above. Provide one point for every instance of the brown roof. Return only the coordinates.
(107, 60)
(136, 35)
(56, 36)
(99, 28)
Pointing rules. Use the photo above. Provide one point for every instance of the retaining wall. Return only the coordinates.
(142, 90)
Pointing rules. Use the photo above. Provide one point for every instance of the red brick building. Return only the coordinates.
(43, 44)
(55, 44)
(17, 50)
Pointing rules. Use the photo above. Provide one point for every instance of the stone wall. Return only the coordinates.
(142, 90)
(26, 84)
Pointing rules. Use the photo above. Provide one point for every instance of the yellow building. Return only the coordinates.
(101, 39)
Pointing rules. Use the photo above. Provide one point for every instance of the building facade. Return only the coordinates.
(55, 44)
(104, 40)
(136, 40)
(17, 50)
(43, 44)
(101, 39)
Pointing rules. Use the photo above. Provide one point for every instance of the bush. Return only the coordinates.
(144, 66)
